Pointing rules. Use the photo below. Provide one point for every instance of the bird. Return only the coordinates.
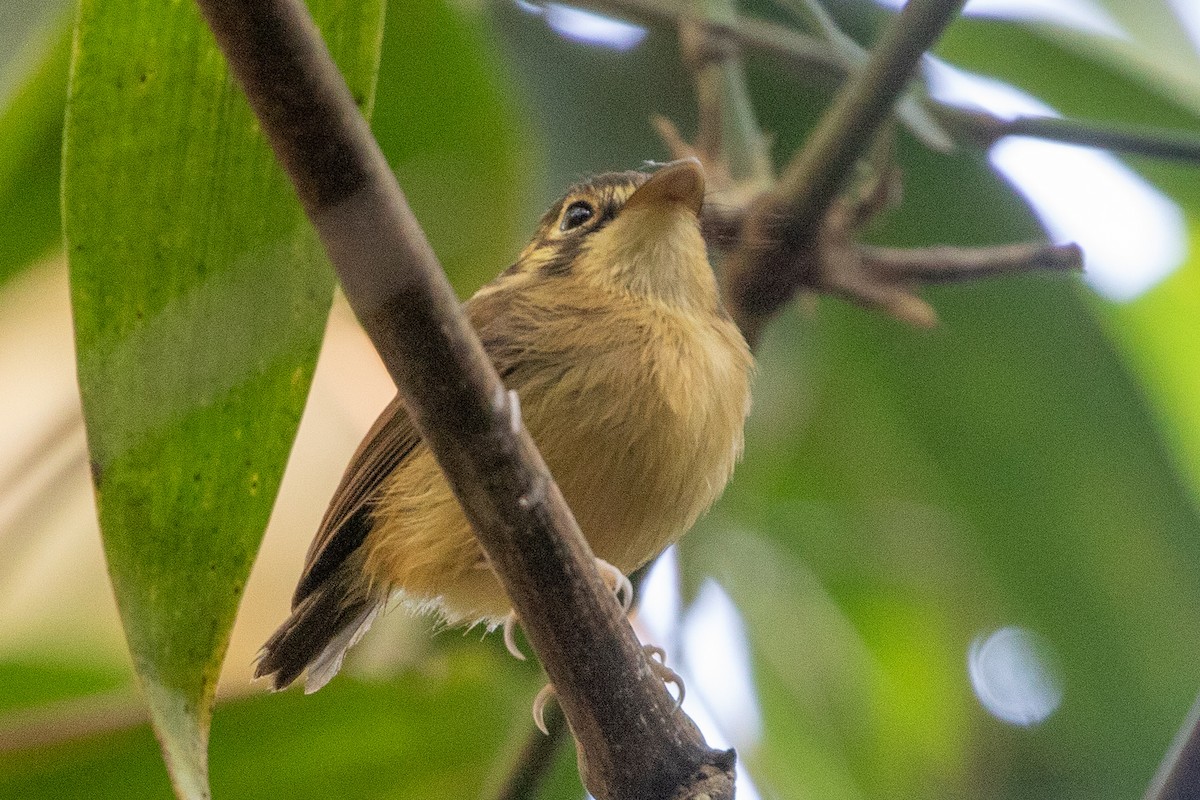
(632, 379)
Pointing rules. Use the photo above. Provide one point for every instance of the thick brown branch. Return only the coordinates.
(533, 764)
(785, 224)
(634, 742)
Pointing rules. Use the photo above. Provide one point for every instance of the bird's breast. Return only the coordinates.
(642, 429)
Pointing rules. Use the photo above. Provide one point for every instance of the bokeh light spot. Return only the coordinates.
(587, 27)
(1014, 675)
(717, 655)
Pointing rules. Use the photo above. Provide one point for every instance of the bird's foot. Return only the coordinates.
(617, 583)
(658, 662)
(510, 636)
(621, 587)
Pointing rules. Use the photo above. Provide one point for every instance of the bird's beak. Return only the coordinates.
(678, 182)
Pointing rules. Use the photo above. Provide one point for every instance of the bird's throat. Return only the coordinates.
(657, 253)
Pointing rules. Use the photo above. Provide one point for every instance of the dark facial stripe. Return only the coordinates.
(565, 252)
(608, 212)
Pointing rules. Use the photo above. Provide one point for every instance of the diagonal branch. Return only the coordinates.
(1179, 774)
(633, 740)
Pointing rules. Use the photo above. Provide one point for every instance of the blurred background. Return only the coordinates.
(954, 563)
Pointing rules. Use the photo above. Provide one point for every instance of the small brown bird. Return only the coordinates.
(632, 380)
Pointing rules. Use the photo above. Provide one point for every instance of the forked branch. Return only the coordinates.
(799, 233)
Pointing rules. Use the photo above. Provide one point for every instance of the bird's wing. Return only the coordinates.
(348, 519)
(392, 439)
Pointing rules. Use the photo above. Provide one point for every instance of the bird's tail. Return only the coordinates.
(316, 636)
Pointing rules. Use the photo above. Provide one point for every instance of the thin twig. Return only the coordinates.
(948, 264)
(806, 54)
(702, 56)
(69, 721)
(885, 279)
(27, 524)
(986, 129)
(786, 222)
(729, 142)
(634, 742)
(66, 425)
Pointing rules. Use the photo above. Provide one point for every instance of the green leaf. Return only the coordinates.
(1078, 83)
(199, 294)
(30, 153)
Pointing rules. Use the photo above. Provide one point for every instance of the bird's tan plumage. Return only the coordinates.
(632, 380)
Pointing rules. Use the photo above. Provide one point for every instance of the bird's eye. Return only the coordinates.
(576, 214)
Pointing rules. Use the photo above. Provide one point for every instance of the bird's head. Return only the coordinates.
(630, 231)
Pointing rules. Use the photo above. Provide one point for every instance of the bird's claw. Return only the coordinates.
(539, 707)
(510, 636)
(658, 663)
(617, 583)
(622, 588)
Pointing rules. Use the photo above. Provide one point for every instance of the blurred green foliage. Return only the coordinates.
(31, 123)
(416, 736)
(1034, 461)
